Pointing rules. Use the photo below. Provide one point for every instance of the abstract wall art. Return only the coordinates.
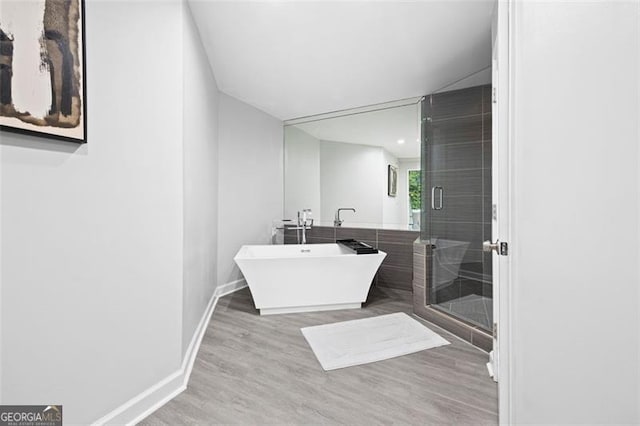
(42, 70)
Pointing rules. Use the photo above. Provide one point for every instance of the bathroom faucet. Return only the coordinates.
(304, 223)
(337, 221)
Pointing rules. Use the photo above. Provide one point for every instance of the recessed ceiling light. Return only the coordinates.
(400, 141)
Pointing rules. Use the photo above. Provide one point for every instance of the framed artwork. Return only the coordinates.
(392, 180)
(42, 69)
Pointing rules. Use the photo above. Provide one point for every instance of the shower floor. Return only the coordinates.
(472, 308)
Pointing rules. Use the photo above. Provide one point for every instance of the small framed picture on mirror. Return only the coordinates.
(392, 180)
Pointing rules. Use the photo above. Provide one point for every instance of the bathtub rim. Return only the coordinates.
(243, 254)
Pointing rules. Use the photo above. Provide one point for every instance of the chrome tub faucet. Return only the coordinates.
(304, 223)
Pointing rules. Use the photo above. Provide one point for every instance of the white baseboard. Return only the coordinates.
(148, 401)
(228, 288)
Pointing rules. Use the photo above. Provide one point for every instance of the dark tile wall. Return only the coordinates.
(457, 157)
(396, 270)
(422, 306)
(315, 235)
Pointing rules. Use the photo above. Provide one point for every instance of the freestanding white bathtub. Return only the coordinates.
(302, 278)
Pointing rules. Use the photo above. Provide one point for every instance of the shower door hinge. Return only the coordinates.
(495, 330)
(494, 97)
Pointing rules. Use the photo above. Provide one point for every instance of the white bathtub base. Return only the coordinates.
(316, 308)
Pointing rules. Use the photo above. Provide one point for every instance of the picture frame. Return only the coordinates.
(43, 77)
(392, 180)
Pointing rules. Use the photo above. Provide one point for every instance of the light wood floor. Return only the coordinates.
(260, 370)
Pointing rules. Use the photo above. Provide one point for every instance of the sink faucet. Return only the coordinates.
(337, 221)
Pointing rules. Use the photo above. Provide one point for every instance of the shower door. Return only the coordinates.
(456, 160)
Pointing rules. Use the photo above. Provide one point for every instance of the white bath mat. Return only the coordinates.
(348, 343)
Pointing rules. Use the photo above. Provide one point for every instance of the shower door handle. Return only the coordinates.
(489, 246)
(500, 247)
(440, 198)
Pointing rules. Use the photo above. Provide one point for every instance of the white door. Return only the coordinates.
(500, 171)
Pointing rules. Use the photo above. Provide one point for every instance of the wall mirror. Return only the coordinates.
(366, 158)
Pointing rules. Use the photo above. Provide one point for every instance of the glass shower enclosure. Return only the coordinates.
(456, 199)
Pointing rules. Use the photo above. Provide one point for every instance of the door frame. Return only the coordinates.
(502, 140)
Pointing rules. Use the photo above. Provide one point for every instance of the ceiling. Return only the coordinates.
(383, 127)
(298, 58)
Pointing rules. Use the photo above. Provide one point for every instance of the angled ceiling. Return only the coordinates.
(294, 59)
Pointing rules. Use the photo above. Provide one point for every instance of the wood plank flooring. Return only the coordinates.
(260, 370)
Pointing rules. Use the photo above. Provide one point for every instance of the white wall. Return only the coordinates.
(391, 206)
(92, 235)
(351, 176)
(200, 140)
(250, 180)
(302, 172)
(326, 175)
(576, 213)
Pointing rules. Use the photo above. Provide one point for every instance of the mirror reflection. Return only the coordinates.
(356, 168)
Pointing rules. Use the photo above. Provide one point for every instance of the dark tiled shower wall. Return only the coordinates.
(396, 270)
(421, 303)
(457, 157)
(458, 129)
